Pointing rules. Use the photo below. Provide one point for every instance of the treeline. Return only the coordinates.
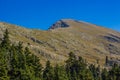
(18, 63)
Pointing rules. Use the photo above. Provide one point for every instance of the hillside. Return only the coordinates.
(84, 39)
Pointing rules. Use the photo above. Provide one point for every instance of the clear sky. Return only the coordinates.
(41, 14)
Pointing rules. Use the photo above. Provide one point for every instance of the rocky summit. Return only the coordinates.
(84, 39)
(59, 24)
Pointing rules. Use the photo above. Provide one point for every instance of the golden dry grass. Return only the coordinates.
(84, 39)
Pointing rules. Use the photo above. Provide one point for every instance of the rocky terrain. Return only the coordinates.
(84, 39)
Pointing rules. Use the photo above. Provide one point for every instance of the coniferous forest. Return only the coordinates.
(18, 63)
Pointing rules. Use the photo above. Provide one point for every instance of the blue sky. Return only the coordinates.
(41, 14)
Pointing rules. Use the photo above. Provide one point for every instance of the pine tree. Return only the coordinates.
(98, 73)
(114, 73)
(37, 66)
(77, 68)
(5, 42)
(70, 66)
(3, 67)
(56, 72)
(48, 72)
(92, 68)
(32, 64)
(63, 73)
(104, 74)
(13, 63)
(4, 56)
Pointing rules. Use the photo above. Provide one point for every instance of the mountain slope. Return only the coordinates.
(84, 39)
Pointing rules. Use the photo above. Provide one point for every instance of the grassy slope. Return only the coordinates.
(82, 38)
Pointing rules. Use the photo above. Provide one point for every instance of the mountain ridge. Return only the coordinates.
(84, 39)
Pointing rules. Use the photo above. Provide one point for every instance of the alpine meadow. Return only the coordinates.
(66, 51)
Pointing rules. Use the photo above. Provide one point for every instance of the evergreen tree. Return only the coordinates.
(3, 67)
(71, 66)
(98, 73)
(32, 64)
(4, 56)
(5, 42)
(77, 68)
(63, 73)
(92, 68)
(56, 72)
(114, 73)
(60, 73)
(104, 74)
(48, 72)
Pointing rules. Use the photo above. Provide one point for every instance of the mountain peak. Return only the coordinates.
(64, 23)
(60, 24)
